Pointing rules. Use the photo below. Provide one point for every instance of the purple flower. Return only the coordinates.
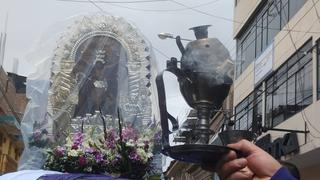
(129, 133)
(134, 156)
(157, 137)
(59, 150)
(111, 139)
(77, 140)
(82, 161)
(90, 150)
(98, 157)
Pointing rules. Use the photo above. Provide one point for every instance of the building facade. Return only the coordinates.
(277, 81)
(12, 105)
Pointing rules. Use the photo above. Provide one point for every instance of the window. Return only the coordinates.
(289, 89)
(241, 112)
(294, 7)
(284, 12)
(273, 20)
(247, 112)
(262, 29)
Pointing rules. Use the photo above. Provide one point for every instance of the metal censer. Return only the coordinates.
(205, 76)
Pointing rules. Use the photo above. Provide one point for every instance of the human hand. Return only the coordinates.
(256, 164)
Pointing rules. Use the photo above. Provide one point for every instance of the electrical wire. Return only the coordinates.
(160, 52)
(206, 13)
(117, 2)
(288, 29)
(162, 10)
(102, 10)
(186, 8)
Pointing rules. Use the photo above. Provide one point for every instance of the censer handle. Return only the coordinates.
(164, 115)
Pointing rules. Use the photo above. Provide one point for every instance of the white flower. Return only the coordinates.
(143, 155)
(130, 143)
(73, 153)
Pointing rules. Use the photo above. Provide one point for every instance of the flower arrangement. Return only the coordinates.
(124, 153)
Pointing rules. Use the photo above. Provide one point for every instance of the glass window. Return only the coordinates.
(291, 98)
(294, 7)
(239, 60)
(259, 38)
(243, 114)
(307, 82)
(264, 30)
(273, 16)
(284, 12)
(248, 46)
(274, 21)
(289, 89)
(279, 105)
(291, 84)
(299, 87)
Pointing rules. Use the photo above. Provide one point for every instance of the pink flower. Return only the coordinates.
(59, 150)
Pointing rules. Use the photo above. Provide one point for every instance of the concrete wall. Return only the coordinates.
(242, 10)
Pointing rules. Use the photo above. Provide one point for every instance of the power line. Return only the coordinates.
(160, 52)
(117, 2)
(206, 13)
(146, 10)
(234, 21)
(102, 10)
(163, 10)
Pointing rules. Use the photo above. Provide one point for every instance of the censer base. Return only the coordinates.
(197, 153)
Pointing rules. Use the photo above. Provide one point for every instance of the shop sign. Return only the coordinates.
(281, 146)
(263, 64)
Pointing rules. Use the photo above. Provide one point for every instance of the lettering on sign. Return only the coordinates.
(281, 146)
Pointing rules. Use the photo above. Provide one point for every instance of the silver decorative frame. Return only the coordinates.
(63, 90)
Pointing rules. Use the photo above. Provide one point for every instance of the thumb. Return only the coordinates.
(245, 147)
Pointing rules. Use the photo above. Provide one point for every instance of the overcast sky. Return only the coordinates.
(28, 19)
